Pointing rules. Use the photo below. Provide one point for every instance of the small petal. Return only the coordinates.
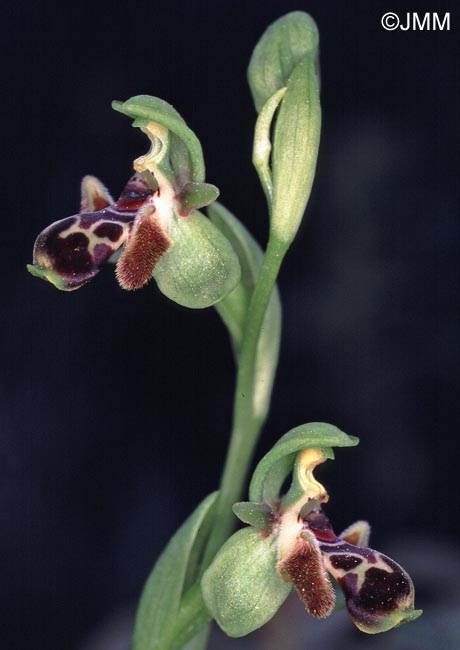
(146, 244)
(196, 195)
(94, 195)
(305, 569)
(357, 534)
(259, 515)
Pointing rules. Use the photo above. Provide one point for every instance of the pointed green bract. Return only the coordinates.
(201, 267)
(241, 588)
(278, 462)
(248, 250)
(295, 150)
(161, 598)
(285, 43)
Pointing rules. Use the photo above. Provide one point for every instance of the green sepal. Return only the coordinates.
(201, 267)
(146, 108)
(295, 150)
(285, 43)
(233, 309)
(196, 195)
(241, 588)
(172, 574)
(275, 466)
(258, 515)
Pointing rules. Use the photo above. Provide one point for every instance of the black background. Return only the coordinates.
(116, 407)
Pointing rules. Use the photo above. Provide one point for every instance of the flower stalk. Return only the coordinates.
(247, 423)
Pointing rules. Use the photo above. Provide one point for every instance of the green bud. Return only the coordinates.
(242, 589)
(284, 79)
(285, 43)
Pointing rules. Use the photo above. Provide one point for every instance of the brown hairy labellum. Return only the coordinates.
(305, 569)
(146, 244)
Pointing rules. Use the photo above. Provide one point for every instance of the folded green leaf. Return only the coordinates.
(161, 598)
(241, 588)
(145, 108)
(201, 268)
(289, 40)
(278, 462)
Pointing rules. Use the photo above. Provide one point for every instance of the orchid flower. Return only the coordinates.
(155, 225)
(291, 543)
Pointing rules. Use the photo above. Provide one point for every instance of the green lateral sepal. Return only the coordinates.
(201, 267)
(258, 515)
(241, 588)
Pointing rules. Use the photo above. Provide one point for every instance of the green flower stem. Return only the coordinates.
(246, 423)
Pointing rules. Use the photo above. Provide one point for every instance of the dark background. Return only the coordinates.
(116, 407)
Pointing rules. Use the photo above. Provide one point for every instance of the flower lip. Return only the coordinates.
(305, 569)
(379, 593)
(69, 252)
